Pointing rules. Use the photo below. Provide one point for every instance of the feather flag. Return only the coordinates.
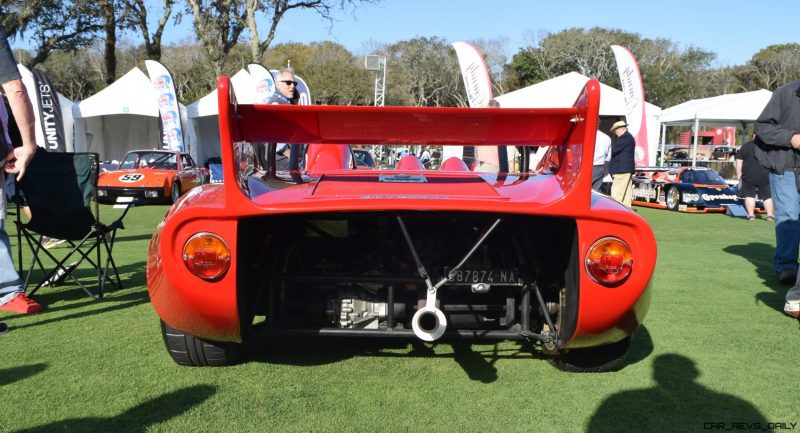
(168, 108)
(479, 91)
(633, 92)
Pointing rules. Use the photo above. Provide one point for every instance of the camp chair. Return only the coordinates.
(61, 191)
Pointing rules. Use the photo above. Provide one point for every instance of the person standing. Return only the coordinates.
(286, 94)
(777, 142)
(622, 165)
(602, 154)
(753, 180)
(12, 295)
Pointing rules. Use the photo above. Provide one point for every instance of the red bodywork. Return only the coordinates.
(213, 310)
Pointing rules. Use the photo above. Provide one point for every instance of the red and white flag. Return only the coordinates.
(479, 93)
(633, 91)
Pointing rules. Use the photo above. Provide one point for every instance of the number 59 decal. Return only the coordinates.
(135, 177)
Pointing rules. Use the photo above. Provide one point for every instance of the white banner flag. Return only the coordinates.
(633, 91)
(168, 107)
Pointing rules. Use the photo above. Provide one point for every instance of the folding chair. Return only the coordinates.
(60, 190)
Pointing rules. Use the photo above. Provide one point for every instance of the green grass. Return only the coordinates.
(715, 347)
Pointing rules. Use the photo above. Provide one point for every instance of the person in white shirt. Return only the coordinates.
(602, 153)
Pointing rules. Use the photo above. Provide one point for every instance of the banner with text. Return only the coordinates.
(479, 93)
(51, 120)
(633, 92)
(168, 108)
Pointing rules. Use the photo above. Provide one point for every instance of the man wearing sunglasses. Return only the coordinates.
(286, 94)
(286, 88)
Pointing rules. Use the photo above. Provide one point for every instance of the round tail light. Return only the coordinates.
(609, 261)
(207, 256)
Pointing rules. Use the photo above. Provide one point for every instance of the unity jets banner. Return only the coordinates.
(51, 120)
(633, 92)
(168, 109)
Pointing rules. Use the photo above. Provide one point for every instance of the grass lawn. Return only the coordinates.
(715, 348)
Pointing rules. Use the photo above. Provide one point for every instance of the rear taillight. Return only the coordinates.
(609, 261)
(207, 256)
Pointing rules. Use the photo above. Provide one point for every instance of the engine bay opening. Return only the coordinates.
(490, 275)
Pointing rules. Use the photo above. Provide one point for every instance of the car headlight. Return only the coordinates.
(102, 193)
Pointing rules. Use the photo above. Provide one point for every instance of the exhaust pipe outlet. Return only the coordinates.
(429, 323)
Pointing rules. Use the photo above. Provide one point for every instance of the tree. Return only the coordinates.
(774, 66)
(109, 19)
(135, 17)
(424, 72)
(55, 24)
(274, 10)
(333, 74)
(218, 24)
(670, 75)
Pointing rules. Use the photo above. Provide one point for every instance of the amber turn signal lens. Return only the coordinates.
(207, 256)
(609, 261)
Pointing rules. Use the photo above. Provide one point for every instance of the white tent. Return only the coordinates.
(731, 109)
(66, 111)
(122, 117)
(203, 125)
(562, 91)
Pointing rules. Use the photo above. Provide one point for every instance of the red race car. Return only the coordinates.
(155, 176)
(329, 250)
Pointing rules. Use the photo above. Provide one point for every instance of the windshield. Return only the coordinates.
(703, 177)
(152, 159)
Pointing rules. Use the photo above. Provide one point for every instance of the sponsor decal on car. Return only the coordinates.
(711, 197)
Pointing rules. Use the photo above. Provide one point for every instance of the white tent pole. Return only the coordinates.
(663, 142)
(696, 132)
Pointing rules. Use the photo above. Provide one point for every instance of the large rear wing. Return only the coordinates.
(571, 131)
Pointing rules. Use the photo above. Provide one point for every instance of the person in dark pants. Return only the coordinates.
(753, 180)
(778, 150)
(12, 296)
(622, 164)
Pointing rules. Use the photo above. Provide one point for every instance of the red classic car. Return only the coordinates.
(407, 252)
(150, 176)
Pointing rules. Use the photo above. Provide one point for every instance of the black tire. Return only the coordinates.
(175, 192)
(186, 349)
(595, 359)
(673, 198)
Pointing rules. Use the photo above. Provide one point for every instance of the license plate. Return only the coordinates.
(495, 277)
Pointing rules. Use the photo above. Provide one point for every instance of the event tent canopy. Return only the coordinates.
(120, 118)
(730, 108)
(734, 108)
(203, 127)
(562, 91)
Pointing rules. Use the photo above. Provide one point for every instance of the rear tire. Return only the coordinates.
(595, 359)
(186, 349)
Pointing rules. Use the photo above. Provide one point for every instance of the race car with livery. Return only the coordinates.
(150, 176)
(684, 189)
(329, 250)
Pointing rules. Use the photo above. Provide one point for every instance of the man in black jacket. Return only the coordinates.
(777, 143)
(622, 163)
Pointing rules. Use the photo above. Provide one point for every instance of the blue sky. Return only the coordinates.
(734, 29)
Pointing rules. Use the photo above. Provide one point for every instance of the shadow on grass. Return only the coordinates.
(676, 403)
(119, 303)
(15, 374)
(135, 419)
(478, 362)
(760, 255)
